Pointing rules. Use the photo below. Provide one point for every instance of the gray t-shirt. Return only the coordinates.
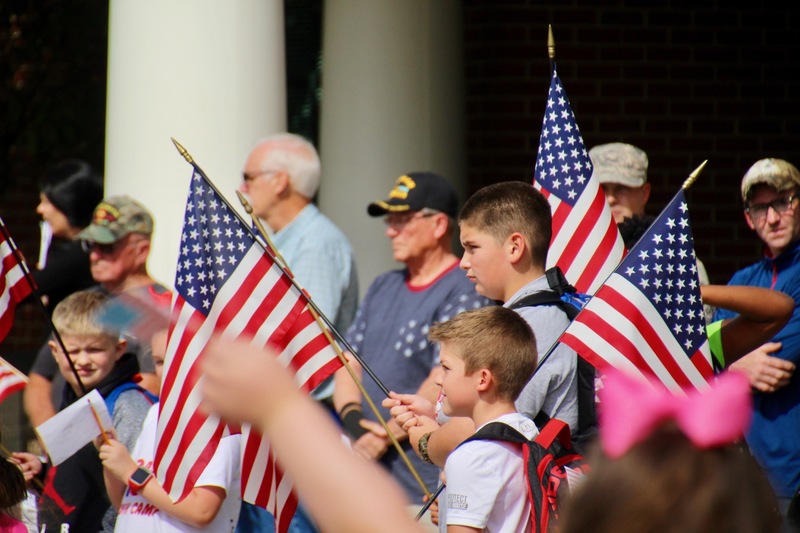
(554, 386)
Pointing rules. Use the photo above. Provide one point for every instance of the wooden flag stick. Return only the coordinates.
(336, 348)
(99, 424)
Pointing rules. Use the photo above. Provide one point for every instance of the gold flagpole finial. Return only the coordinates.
(551, 43)
(182, 151)
(245, 203)
(693, 176)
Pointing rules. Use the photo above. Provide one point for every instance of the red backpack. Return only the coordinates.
(551, 465)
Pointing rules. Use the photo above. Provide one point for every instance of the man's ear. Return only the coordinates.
(645, 193)
(442, 223)
(143, 251)
(281, 183)
(122, 345)
(749, 221)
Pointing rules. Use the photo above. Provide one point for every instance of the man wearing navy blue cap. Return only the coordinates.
(392, 321)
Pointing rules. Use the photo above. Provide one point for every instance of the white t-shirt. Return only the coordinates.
(136, 514)
(486, 487)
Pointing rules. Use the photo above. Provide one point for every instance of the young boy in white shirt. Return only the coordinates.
(488, 355)
(213, 503)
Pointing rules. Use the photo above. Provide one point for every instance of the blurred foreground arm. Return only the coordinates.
(247, 384)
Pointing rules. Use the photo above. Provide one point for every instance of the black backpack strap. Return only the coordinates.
(546, 297)
(557, 282)
(497, 431)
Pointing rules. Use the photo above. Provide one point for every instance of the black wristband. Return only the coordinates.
(350, 423)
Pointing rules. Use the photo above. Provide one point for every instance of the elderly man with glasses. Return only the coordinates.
(118, 244)
(769, 192)
(280, 178)
(391, 325)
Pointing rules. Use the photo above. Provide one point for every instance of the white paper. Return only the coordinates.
(44, 243)
(74, 427)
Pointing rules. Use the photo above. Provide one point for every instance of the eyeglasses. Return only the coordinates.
(90, 246)
(398, 222)
(779, 205)
(104, 249)
(248, 177)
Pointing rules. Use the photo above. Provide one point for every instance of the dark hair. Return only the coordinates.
(632, 228)
(12, 486)
(507, 207)
(75, 188)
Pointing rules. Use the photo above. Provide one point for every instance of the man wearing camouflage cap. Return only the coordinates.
(621, 170)
(118, 244)
(770, 195)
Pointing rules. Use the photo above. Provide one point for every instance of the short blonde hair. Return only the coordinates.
(495, 338)
(78, 314)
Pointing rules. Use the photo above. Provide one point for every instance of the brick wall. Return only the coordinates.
(685, 83)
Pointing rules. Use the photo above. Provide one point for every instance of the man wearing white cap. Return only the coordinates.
(772, 209)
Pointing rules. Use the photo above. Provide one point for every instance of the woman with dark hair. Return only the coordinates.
(68, 194)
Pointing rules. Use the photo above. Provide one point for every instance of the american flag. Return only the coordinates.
(647, 319)
(11, 380)
(586, 243)
(13, 286)
(226, 285)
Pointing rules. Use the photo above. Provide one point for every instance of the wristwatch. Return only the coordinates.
(139, 479)
(422, 447)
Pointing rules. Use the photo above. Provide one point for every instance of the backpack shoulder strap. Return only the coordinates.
(497, 431)
(552, 430)
(557, 282)
(113, 396)
(545, 297)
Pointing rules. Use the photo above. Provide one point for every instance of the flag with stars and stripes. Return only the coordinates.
(226, 285)
(586, 243)
(14, 287)
(647, 318)
(11, 380)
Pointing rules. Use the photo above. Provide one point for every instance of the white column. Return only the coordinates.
(392, 103)
(211, 74)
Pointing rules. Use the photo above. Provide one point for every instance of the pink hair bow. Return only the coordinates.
(630, 409)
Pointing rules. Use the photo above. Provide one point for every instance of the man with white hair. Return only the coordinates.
(281, 176)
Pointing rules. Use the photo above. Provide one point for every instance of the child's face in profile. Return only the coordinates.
(94, 357)
(158, 346)
(459, 392)
(483, 262)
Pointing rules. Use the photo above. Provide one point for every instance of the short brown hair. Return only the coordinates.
(492, 337)
(77, 315)
(512, 206)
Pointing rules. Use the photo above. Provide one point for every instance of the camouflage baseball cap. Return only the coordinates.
(776, 173)
(116, 217)
(619, 163)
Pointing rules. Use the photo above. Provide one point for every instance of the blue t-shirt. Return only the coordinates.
(390, 334)
(774, 437)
